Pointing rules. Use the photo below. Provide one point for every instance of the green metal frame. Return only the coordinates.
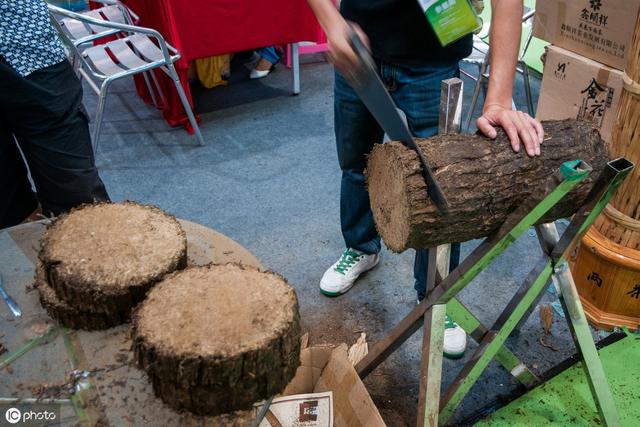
(491, 341)
(47, 336)
(476, 330)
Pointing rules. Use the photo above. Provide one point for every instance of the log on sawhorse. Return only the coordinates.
(432, 410)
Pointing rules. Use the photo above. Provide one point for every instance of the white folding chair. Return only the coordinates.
(83, 35)
(135, 50)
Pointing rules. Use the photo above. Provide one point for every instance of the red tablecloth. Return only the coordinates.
(203, 28)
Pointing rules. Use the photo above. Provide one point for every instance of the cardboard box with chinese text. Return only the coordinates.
(598, 29)
(577, 87)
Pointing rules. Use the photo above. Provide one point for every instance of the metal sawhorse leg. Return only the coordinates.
(491, 340)
(449, 122)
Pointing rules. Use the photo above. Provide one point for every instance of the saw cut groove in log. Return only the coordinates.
(218, 338)
(483, 179)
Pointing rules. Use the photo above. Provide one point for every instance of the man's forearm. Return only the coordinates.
(337, 29)
(326, 13)
(506, 28)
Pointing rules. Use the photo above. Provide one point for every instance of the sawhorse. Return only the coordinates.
(431, 311)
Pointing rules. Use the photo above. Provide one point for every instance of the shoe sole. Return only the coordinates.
(344, 291)
(331, 294)
(453, 355)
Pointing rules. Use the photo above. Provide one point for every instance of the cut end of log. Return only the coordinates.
(112, 246)
(216, 311)
(390, 168)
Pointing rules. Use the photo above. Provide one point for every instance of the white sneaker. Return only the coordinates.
(341, 276)
(455, 339)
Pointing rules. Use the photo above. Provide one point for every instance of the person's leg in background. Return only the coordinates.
(269, 57)
(44, 113)
(356, 133)
(416, 91)
(421, 263)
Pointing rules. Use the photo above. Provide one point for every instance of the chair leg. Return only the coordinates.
(481, 83)
(156, 85)
(295, 68)
(527, 89)
(185, 103)
(76, 69)
(102, 99)
(474, 100)
(75, 64)
(150, 88)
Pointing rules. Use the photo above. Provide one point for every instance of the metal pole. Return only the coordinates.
(295, 67)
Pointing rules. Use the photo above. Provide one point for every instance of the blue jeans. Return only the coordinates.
(416, 91)
(269, 53)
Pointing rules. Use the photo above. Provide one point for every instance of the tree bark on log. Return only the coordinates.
(483, 179)
(72, 317)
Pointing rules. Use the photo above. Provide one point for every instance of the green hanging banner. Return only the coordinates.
(450, 19)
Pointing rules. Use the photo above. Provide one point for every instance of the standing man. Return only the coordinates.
(41, 113)
(411, 63)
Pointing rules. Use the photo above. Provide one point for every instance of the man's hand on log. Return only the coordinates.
(521, 128)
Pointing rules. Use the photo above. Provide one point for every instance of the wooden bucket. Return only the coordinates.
(618, 227)
(607, 276)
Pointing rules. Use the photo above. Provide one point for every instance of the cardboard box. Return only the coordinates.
(598, 29)
(324, 369)
(577, 87)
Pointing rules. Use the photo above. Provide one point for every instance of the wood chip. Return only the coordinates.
(304, 341)
(546, 318)
(545, 344)
(359, 350)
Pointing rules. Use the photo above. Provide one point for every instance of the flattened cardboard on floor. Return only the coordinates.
(328, 369)
(598, 29)
(577, 87)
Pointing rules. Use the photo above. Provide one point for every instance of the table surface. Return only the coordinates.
(204, 28)
(118, 391)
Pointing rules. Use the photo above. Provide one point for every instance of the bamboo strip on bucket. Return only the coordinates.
(624, 229)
